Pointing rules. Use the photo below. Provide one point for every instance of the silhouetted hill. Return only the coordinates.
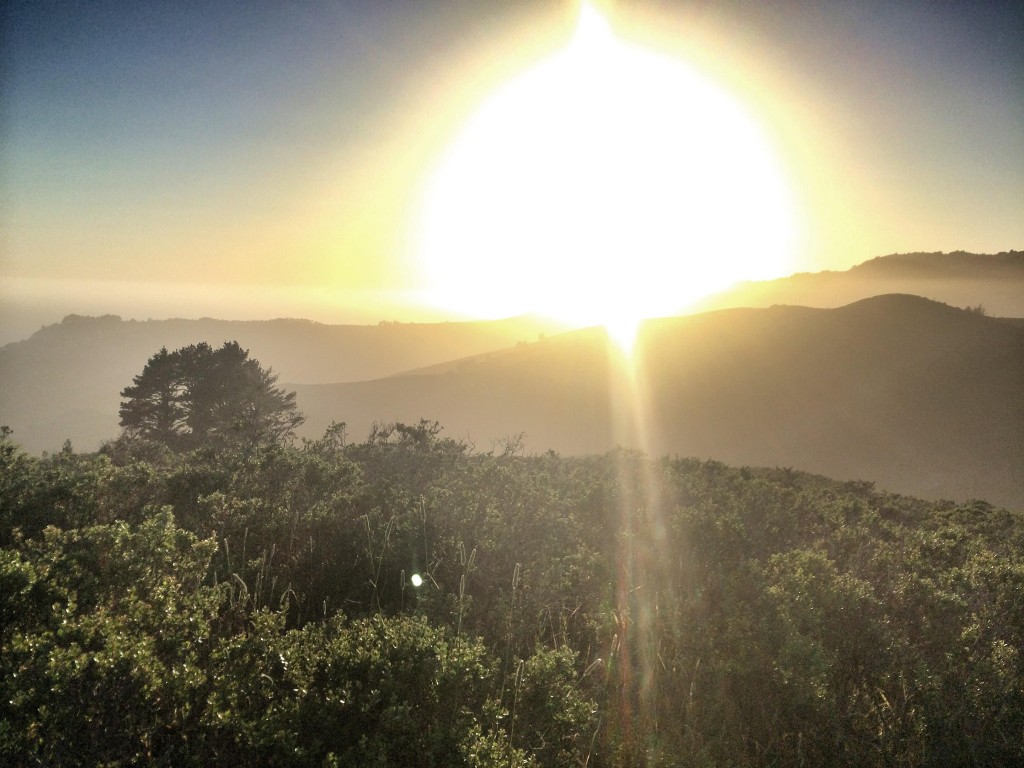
(64, 381)
(918, 396)
(960, 264)
(958, 278)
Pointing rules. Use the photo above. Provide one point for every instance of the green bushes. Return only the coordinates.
(256, 607)
(375, 691)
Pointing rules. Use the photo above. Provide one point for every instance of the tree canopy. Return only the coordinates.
(198, 395)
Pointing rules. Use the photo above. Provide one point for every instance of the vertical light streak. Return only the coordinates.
(641, 554)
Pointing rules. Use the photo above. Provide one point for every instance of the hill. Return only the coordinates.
(959, 264)
(921, 397)
(64, 381)
(995, 281)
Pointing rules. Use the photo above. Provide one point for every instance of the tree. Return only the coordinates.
(153, 408)
(198, 395)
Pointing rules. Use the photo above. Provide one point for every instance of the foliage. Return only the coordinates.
(105, 647)
(375, 691)
(242, 607)
(198, 395)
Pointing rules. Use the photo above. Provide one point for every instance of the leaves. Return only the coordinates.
(240, 607)
(197, 396)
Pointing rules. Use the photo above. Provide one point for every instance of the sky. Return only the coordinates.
(261, 159)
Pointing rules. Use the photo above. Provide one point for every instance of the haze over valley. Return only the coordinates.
(912, 393)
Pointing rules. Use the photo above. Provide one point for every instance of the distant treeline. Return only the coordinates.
(955, 263)
(254, 603)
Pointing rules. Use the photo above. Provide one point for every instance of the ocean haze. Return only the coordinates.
(28, 304)
(957, 278)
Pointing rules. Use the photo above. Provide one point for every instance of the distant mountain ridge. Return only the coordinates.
(308, 350)
(65, 380)
(959, 278)
(974, 266)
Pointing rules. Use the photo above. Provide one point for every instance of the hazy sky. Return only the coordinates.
(262, 159)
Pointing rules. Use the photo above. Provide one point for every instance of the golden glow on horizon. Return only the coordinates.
(606, 184)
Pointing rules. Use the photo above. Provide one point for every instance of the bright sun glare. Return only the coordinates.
(606, 184)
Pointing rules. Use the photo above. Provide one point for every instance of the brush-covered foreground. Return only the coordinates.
(224, 607)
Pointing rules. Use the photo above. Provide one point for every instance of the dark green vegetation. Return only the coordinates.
(236, 604)
(197, 395)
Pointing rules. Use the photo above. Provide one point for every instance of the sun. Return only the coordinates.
(606, 184)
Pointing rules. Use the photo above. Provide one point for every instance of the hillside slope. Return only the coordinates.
(918, 396)
(995, 281)
(64, 381)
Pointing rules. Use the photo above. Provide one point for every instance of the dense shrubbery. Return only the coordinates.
(241, 607)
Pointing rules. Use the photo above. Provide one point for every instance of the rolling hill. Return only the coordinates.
(918, 396)
(65, 380)
(995, 281)
(914, 394)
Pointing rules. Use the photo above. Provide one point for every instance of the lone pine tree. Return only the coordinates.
(198, 395)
